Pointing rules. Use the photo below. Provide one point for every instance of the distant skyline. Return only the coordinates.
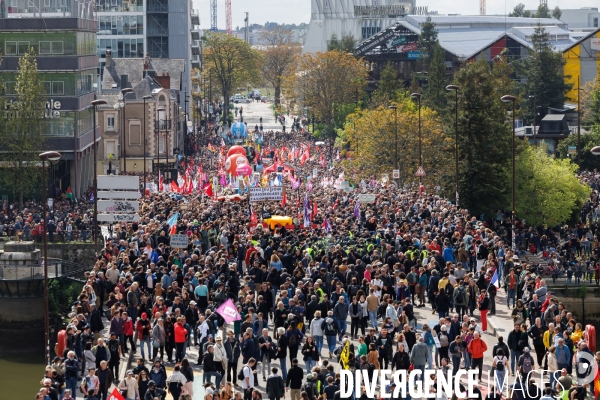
(298, 11)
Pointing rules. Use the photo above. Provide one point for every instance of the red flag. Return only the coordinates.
(190, 187)
(208, 189)
(314, 214)
(253, 219)
(174, 187)
(336, 204)
(305, 157)
(161, 187)
(284, 198)
(116, 395)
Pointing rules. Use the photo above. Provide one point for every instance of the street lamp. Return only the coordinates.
(418, 97)
(124, 148)
(144, 186)
(508, 98)
(158, 110)
(50, 156)
(455, 89)
(395, 108)
(96, 103)
(534, 115)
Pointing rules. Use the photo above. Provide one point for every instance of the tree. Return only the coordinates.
(371, 134)
(230, 61)
(428, 39)
(22, 133)
(543, 75)
(519, 11)
(542, 11)
(344, 45)
(435, 93)
(280, 58)
(547, 189)
(387, 85)
(325, 80)
(590, 102)
(588, 141)
(556, 13)
(484, 137)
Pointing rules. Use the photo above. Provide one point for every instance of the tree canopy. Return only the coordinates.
(345, 44)
(280, 58)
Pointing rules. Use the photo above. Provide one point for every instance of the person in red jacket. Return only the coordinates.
(251, 250)
(143, 328)
(128, 332)
(477, 347)
(180, 338)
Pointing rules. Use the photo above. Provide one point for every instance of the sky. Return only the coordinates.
(298, 11)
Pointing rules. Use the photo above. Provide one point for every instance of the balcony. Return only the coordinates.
(195, 34)
(195, 17)
(164, 125)
(196, 62)
(196, 48)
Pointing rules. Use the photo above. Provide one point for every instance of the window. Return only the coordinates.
(10, 48)
(595, 22)
(58, 48)
(161, 145)
(110, 122)
(47, 87)
(58, 88)
(135, 134)
(111, 148)
(45, 47)
(23, 47)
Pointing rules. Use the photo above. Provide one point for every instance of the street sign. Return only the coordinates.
(420, 171)
(179, 241)
(118, 218)
(274, 193)
(118, 182)
(572, 149)
(118, 195)
(366, 198)
(118, 206)
(396, 174)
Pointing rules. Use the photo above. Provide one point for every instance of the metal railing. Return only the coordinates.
(76, 236)
(57, 268)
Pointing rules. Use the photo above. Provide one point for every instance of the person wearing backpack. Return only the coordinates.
(526, 363)
(246, 377)
(499, 364)
(294, 336)
(329, 327)
(310, 387)
(461, 299)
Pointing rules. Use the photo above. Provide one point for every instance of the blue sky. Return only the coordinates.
(298, 11)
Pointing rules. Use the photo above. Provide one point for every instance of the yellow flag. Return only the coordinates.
(345, 356)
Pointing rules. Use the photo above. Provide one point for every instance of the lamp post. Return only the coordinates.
(50, 156)
(534, 115)
(96, 103)
(455, 89)
(144, 187)
(158, 110)
(418, 97)
(508, 98)
(395, 108)
(578, 121)
(124, 147)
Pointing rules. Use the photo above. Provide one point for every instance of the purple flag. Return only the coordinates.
(357, 210)
(229, 312)
(306, 211)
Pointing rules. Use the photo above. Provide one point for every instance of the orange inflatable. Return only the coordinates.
(61, 343)
(233, 162)
(236, 150)
(590, 337)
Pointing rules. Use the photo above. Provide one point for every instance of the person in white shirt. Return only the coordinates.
(248, 381)
(175, 382)
(203, 329)
(130, 385)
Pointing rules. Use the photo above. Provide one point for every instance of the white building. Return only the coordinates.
(581, 19)
(359, 18)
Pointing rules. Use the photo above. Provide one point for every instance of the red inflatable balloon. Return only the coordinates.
(236, 150)
(233, 162)
(244, 170)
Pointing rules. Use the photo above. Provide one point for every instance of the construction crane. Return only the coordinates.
(228, 16)
(213, 15)
(481, 7)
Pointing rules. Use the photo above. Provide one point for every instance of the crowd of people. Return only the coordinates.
(357, 277)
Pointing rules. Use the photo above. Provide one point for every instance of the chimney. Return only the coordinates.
(108, 57)
(164, 80)
(147, 62)
(124, 83)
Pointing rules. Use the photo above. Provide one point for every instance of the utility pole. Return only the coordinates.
(578, 121)
(247, 22)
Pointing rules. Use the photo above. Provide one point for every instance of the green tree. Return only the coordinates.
(556, 13)
(542, 11)
(484, 138)
(543, 75)
(231, 62)
(345, 44)
(22, 134)
(387, 85)
(588, 141)
(435, 92)
(519, 11)
(428, 39)
(547, 189)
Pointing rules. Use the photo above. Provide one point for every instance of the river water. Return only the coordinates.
(21, 376)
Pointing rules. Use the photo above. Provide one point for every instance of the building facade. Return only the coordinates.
(132, 127)
(63, 35)
(157, 28)
(581, 19)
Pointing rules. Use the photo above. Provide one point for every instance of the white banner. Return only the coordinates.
(179, 241)
(118, 206)
(118, 182)
(118, 218)
(274, 193)
(366, 198)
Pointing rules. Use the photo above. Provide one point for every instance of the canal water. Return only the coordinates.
(21, 376)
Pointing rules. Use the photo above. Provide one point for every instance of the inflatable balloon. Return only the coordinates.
(239, 130)
(233, 162)
(244, 170)
(236, 150)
